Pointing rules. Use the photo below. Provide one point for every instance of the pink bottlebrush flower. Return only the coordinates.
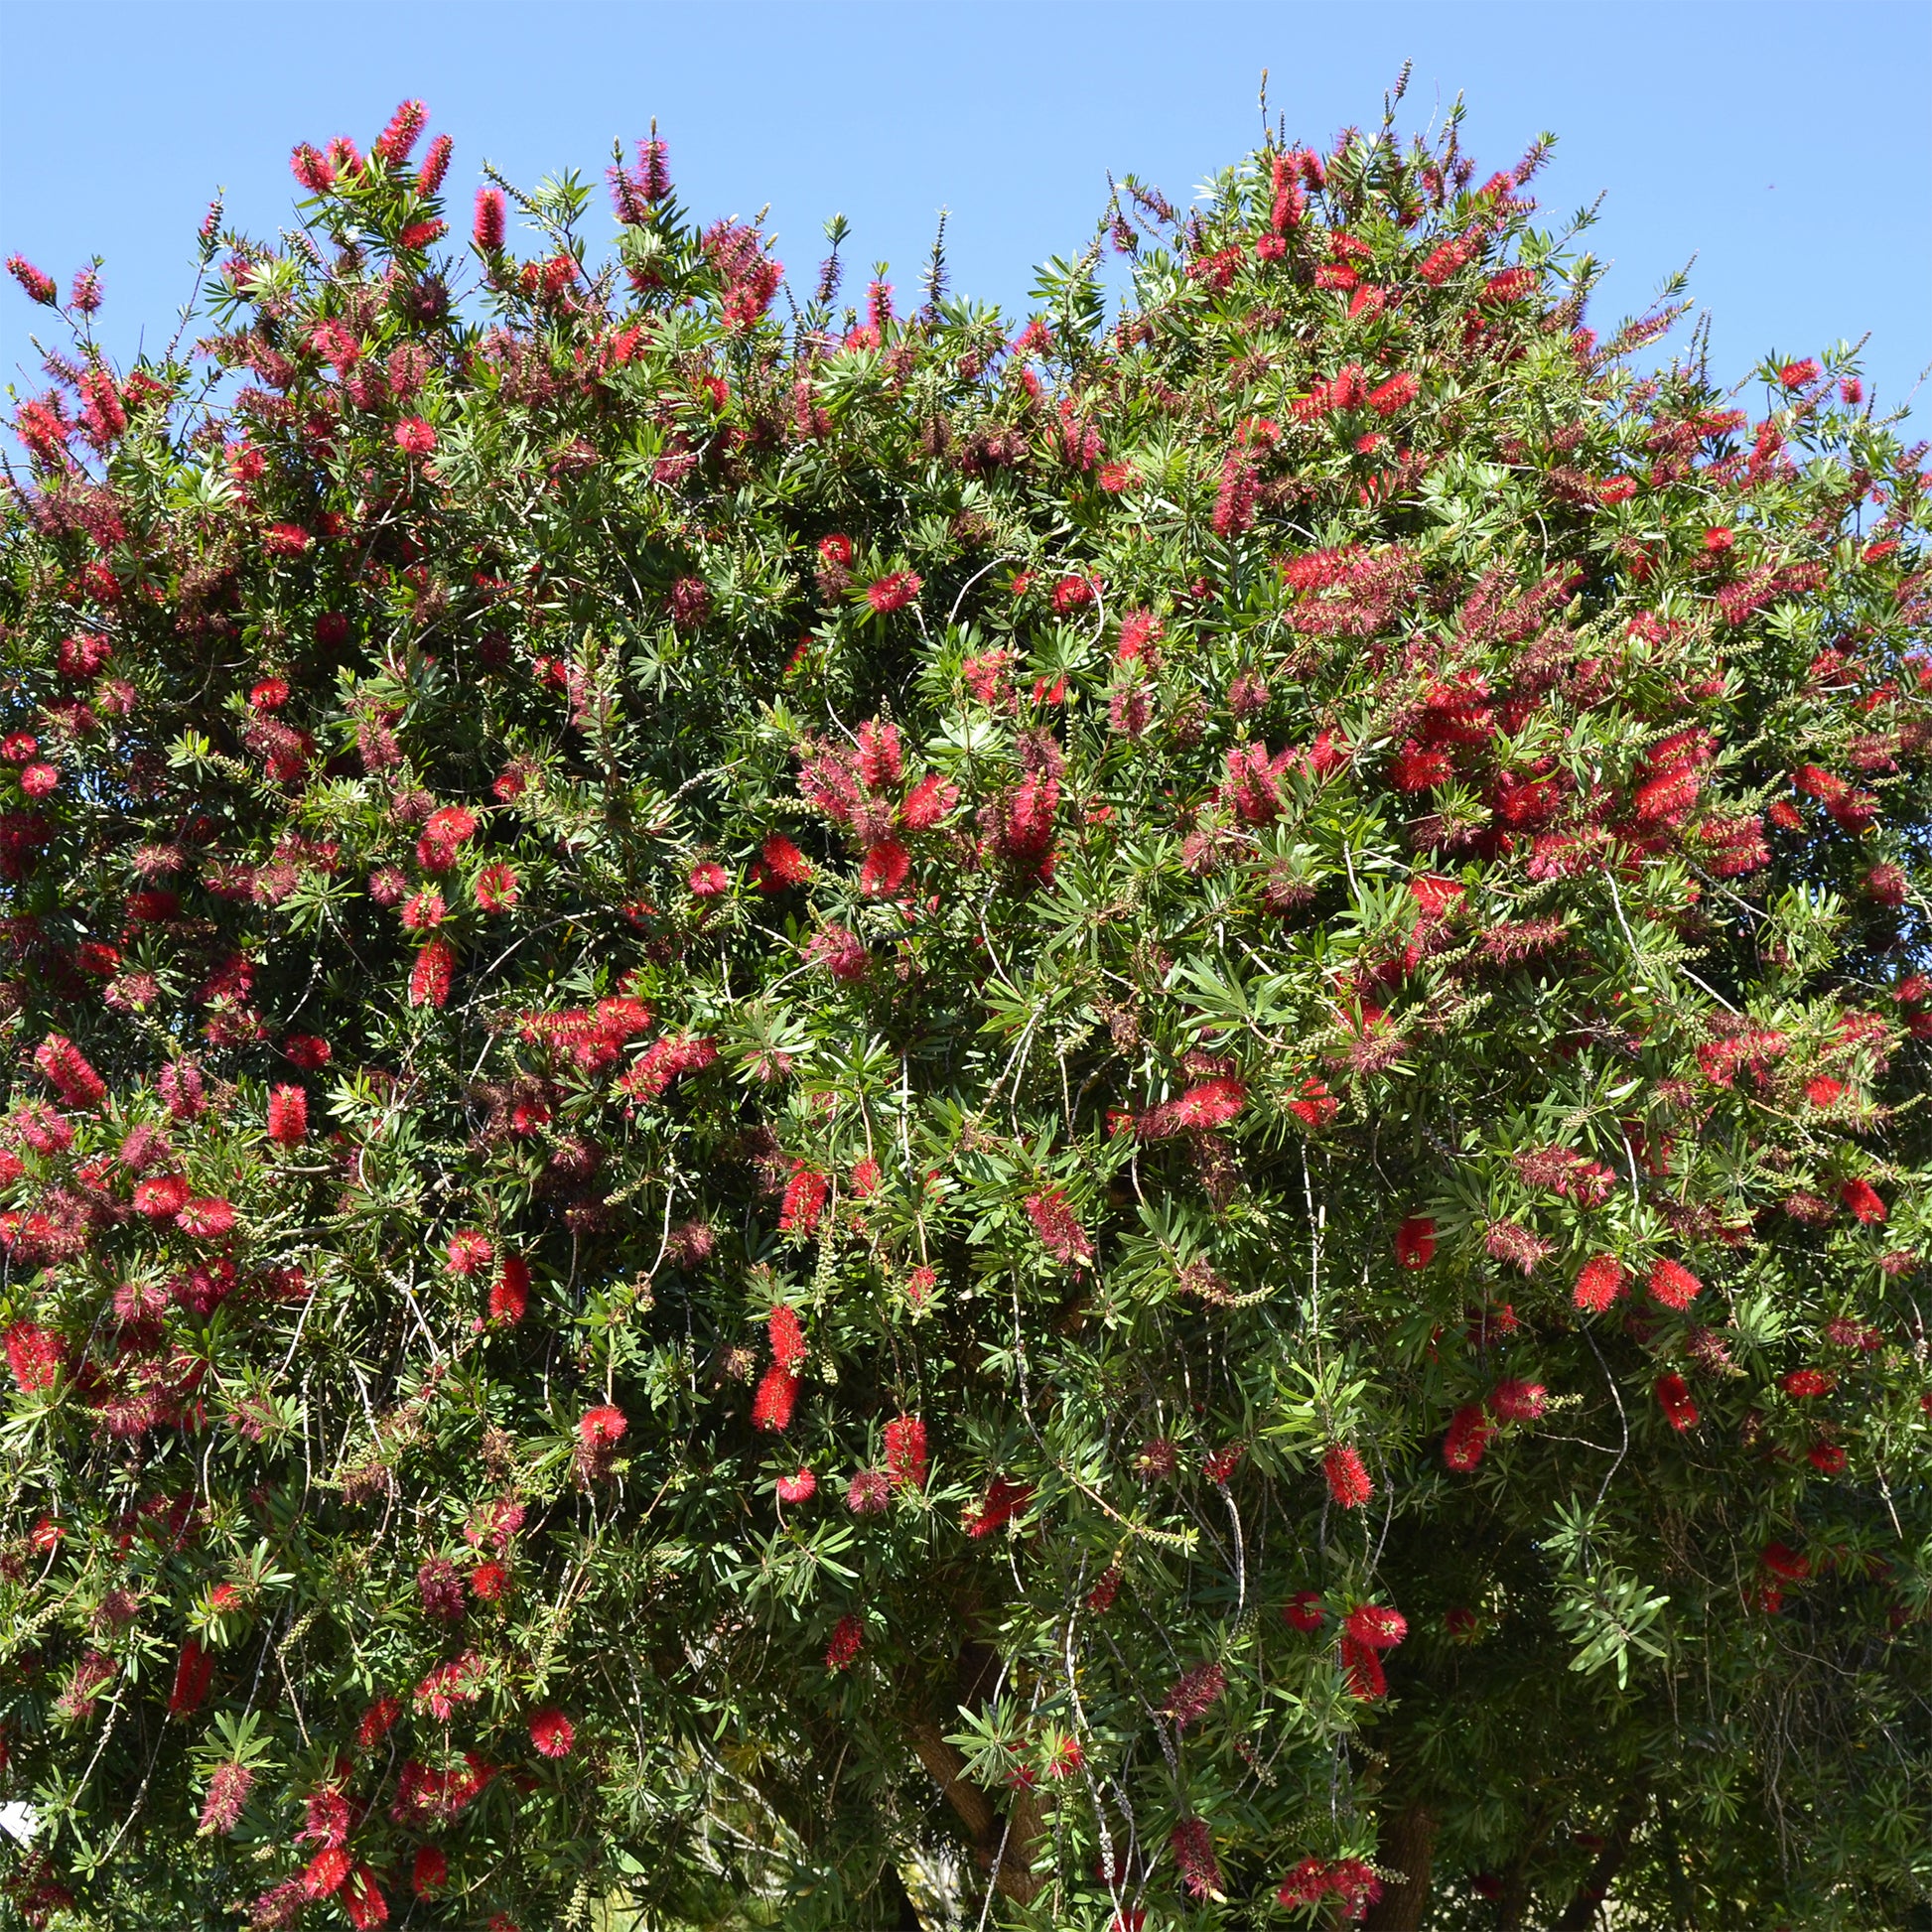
(799, 1489)
(509, 1294)
(1511, 1242)
(1194, 1856)
(288, 1116)
(470, 1253)
(227, 1794)
(776, 1400)
(689, 602)
(1599, 1282)
(1469, 1437)
(487, 233)
(429, 977)
(787, 1337)
(1517, 1401)
(1674, 1398)
(39, 780)
(313, 170)
(1195, 1693)
(393, 144)
(1057, 1227)
(552, 1733)
(893, 591)
(868, 1493)
(1864, 1200)
(1415, 1241)
(905, 1452)
(39, 285)
(439, 1584)
(207, 1219)
(1347, 1474)
(848, 1636)
(66, 1068)
(1672, 1284)
(414, 437)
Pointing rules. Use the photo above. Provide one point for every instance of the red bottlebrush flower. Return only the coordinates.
(314, 171)
(1234, 504)
(328, 1873)
(1100, 1598)
(892, 592)
(1363, 1667)
(470, 1253)
(1317, 1106)
(429, 977)
(376, 1722)
(1516, 1401)
(430, 1872)
(207, 1219)
(1420, 767)
(1674, 1398)
(787, 1337)
(444, 835)
(1415, 1242)
(161, 1198)
(509, 1294)
(39, 780)
(919, 1282)
(227, 1794)
(1348, 1478)
(1059, 1227)
(781, 865)
(927, 803)
(864, 1178)
(1469, 1437)
(804, 1202)
(1195, 1693)
(496, 889)
(1376, 1625)
(34, 1354)
(1783, 1561)
(1387, 397)
(776, 1398)
(1071, 594)
(707, 880)
(1795, 376)
(905, 1452)
(1304, 1611)
(66, 1066)
(490, 1582)
(1002, 1502)
(364, 1901)
(689, 602)
(885, 868)
(271, 694)
(1805, 1383)
(193, 1672)
(288, 1116)
(1599, 1282)
(392, 145)
(1825, 1457)
(1885, 885)
(848, 1636)
(1194, 1856)
(414, 437)
(436, 164)
(1864, 1200)
(601, 1427)
(286, 540)
(487, 233)
(799, 1489)
(552, 1733)
(1672, 1284)
(1823, 1091)
(39, 285)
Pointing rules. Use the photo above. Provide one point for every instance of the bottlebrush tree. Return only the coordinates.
(798, 1092)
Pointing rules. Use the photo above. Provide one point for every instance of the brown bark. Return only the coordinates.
(1407, 1848)
(1021, 1828)
(1580, 1913)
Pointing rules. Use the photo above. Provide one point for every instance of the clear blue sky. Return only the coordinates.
(1789, 147)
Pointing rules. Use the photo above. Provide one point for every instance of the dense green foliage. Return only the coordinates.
(1246, 969)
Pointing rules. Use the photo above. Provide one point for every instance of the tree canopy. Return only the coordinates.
(815, 1109)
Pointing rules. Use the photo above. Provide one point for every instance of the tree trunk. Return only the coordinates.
(1407, 1846)
(1021, 1828)
(1580, 1913)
